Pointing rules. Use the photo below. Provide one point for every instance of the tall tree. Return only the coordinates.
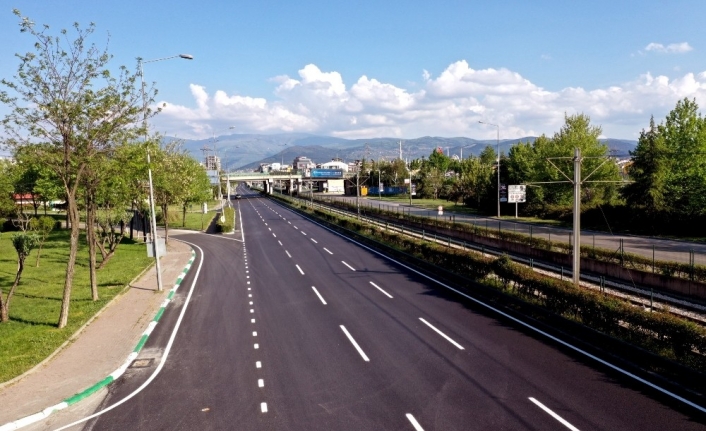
(552, 156)
(7, 188)
(65, 96)
(648, 171)
(684, 134)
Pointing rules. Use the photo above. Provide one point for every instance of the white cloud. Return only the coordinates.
(672, 48)
(446, 105)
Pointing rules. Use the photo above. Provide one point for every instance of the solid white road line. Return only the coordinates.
(319, 295)
(290, 256)
(300, 270)
(442, 334)
(415, 424)
(167, 348)
(349, 267)
(357, 347)
(327, 250)
(380, 289)
(554, 415)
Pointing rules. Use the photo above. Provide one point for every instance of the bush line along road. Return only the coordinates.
(299, 328)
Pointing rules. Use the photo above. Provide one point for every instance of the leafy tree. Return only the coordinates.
(7, 188)
(648, 171)
(178, 180)
(42, 227)
(550, 159)
(475, 183)
(23, 243)
(684, 135)
(488, 156)
(66, 97)
(432, 180)
(197, 186)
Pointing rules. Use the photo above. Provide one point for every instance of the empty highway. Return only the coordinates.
(292, 327)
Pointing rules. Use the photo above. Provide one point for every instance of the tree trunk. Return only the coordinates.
(183, 216)
(165, 216)
(39, 251)
(91, 241)
(5, 306)
(73, 219)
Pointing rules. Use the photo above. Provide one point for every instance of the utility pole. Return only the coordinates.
(577, 216)
(357, 192)
(577, 181)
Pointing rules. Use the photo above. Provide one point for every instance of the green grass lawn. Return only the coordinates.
(31, 334)
(195, 219)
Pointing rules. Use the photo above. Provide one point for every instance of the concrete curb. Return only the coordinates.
(27, 420)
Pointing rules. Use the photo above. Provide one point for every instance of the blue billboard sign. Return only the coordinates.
(327, 173)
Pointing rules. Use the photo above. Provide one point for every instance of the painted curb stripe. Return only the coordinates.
(27, 420)
(90, 391)
(141, 343)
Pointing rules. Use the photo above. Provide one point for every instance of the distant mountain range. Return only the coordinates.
(247, 151)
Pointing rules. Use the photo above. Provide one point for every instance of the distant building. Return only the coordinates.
(302, 163)
(335, 164)
(212, 163)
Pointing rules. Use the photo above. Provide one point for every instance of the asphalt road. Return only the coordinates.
(297, 328)
(660, 249)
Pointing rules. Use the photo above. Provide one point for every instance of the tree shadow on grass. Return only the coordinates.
(34, 322)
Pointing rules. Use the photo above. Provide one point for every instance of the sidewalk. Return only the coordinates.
(99, 348)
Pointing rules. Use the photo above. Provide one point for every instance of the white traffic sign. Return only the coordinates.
(517, 193)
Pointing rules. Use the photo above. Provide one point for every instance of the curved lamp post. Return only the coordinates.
(153, 221)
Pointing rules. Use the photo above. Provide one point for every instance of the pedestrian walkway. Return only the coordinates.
(96, 350)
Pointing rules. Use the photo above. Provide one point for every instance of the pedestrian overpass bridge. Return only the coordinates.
(285, 180)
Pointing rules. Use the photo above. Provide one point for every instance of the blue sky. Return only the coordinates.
(395, 68)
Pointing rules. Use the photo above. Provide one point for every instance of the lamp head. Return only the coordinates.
(186, 56)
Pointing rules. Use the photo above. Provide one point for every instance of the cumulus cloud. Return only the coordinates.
(450, 104)
(672, 48)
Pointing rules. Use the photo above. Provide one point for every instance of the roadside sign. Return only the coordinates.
(441, 210)
(517, 193)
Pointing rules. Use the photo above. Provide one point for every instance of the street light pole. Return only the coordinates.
(153, 222)
(498, 138)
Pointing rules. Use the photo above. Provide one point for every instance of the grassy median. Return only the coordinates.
(32, 334)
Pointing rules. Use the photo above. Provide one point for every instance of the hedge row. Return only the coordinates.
(635, 261)
(659, 331)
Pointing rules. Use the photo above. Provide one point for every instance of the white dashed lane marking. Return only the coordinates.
(380, 289)
(460, 347)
